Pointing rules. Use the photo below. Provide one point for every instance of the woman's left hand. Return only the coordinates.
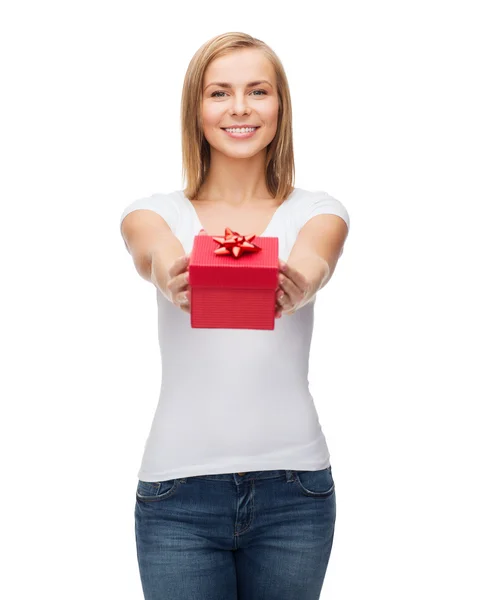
(293, 290)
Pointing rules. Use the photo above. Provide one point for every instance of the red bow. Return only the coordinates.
(235, 244)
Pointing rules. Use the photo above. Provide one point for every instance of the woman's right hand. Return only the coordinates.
(178, 283)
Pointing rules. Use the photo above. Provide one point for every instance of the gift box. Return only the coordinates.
(233, 281)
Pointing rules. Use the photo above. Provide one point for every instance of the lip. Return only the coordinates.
(241, 136)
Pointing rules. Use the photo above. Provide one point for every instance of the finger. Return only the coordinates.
(179, 265)
(284, 301)
(179, 283)
(185, 308)
(290, 288)
(182, 300)
(298, 279)
(286, 306)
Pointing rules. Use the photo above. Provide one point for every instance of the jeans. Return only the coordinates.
(260, 535)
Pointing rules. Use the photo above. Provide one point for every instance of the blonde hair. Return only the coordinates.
(279, 167)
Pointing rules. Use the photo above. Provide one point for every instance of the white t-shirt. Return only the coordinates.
(234, 400)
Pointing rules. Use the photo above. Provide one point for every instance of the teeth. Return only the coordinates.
(242, 130)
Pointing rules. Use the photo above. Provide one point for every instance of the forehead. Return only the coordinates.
(239, 67)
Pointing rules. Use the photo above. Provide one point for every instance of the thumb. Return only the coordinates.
(203, 232)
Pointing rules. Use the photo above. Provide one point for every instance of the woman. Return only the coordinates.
(235, 498)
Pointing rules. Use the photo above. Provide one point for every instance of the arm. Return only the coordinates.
(153, 246)
(317, 249)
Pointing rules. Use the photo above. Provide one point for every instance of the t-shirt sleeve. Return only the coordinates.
(320, 203)
(162, 204)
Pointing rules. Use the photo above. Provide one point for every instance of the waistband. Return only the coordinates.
(288, 475)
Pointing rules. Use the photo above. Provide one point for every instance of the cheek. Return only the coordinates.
(270, 123)
(270, 114)
(211, 116)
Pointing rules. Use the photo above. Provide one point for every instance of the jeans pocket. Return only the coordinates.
(154, 491)
(317, 484)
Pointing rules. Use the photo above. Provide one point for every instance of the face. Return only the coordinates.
(240, 103)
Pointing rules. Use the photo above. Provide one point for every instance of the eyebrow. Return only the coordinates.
(224, 84)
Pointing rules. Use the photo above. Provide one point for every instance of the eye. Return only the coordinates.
(214, 94)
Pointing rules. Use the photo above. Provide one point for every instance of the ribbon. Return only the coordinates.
(235, 244)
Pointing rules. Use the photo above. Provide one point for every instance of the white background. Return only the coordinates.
(386, 119)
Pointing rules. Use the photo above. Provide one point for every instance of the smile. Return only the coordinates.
(241, 134)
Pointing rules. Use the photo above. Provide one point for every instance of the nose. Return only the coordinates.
(240, 103)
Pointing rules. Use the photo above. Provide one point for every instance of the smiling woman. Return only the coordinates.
(235, 420)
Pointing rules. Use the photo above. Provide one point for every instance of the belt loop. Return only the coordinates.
(289, 475)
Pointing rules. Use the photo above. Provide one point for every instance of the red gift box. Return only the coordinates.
(232, 292)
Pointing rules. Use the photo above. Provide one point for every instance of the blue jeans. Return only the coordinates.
(260, 535)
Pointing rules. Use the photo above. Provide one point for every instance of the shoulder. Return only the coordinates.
(167, 205)
(309, 203)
